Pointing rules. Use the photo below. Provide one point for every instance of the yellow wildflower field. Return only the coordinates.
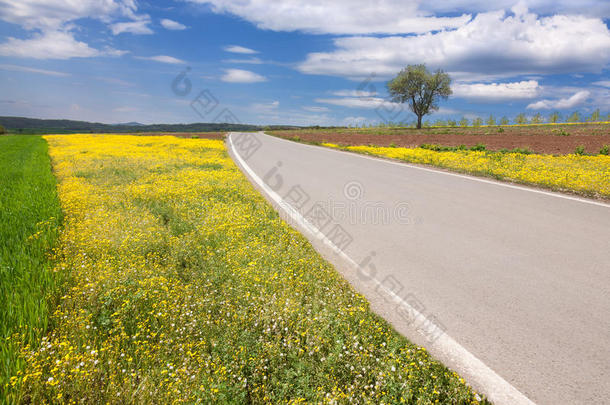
(586, 175)
(185, 286)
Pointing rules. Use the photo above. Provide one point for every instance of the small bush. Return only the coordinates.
(560, 132)
(392, 145)
(580, 150)
(478, 147)
(296, 138)
(524, 151)
(605, 150)
(2, 130)
(500, 130)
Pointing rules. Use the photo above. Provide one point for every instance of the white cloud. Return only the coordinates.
(315, 109)
(562, 103)
(53, 22)
(602, 83)
(491, 44)
(163, 59)
(17, 68)
(53, 14)
(497, 91)
(357, 102)
(172, 25)
(134, 27)
(241, 76)
(239, 49)
(250, 61)
(114, 80)
(354, 93)
(48, 45)
(587, 7)
(354, 121)
(337, 16)
(265, 107)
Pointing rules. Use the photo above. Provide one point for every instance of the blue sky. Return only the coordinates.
(295, 61)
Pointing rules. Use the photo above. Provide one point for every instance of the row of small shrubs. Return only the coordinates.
(580, 150)
(440, 148)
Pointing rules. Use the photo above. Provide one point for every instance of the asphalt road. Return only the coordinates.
(507, 285)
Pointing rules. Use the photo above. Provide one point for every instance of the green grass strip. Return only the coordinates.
(30, 215)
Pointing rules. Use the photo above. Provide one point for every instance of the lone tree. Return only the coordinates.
(420, 88)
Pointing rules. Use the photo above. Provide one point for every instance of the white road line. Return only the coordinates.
(497, 389)
(473, 178)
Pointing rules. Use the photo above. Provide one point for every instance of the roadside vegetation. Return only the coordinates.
(543, 138)
(586, 175)
(187, 287)
(29, 220)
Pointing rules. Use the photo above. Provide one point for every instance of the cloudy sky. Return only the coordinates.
(302, 62)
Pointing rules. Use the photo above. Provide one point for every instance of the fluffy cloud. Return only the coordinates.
(497, 91)
(562, 103)
(53, 22)
(239, 49)
(492, 43)
(52, 14)
(386, 16)
(337, 16)
(587, 7)
(241, 76)
(172, 25)
(48, 45)
(134, 27)
(163, 59)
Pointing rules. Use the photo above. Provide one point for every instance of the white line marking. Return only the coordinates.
(473, 178)
(496, 388)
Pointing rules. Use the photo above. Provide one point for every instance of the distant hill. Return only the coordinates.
(39, 126)
(132, 124)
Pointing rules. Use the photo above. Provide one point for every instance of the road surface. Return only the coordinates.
(507, 285)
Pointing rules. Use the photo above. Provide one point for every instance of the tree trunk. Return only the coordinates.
(419, 117)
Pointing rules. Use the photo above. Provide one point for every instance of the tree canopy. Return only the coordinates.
(421, 89)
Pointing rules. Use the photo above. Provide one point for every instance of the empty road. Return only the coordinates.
(509, 286)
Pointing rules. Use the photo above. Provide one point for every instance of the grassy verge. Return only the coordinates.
(188, 288)
(581, 174)
(29, 220)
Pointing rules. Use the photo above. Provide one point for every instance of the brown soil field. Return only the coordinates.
(539, 139)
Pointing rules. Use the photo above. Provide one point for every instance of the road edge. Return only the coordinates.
(445, 348)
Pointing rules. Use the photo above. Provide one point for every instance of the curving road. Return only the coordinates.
(508, 285)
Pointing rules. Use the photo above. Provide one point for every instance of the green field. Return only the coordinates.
(29, 218)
